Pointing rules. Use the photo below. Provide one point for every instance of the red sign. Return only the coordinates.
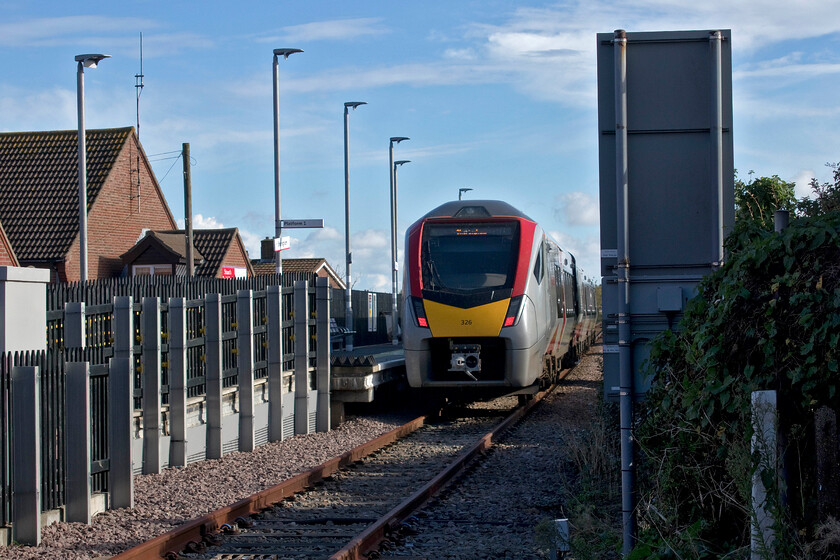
(228, 272)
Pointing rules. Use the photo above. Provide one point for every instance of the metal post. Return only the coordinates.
(781, 219)
(245, 367)
(213, 366)
(151, 385)
(80, 110)
(120, 431)
(74, 324)
(285, 53)
(716, 38)
(77, 476)
(348, 304)
(301, 357)
(394, 264)
(177, 317)
(322, 349)
(26, 459)
(124, 328)
(274, 336)
(628, 468)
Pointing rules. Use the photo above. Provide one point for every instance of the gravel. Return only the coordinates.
(164, 501)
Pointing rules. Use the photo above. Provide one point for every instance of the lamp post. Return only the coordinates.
(348, 305)
(462, 191)
(285, 53)
(83, 61)
(394, 265)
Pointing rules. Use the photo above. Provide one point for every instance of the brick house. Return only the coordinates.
(39, 200)
(7, 254)
(318, 266)
(217, 253)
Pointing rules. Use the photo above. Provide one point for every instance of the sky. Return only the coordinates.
(497, 96)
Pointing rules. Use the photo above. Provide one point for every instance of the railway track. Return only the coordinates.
(346, 507)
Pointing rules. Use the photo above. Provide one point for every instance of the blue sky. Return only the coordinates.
(497, 96)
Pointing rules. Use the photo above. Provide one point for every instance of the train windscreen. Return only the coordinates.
(470, 258)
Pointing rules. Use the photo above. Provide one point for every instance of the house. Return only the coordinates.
(7, 254)
(217, 253)
(319, 267)
(39, 199)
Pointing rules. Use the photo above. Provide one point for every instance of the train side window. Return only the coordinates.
(538, 266)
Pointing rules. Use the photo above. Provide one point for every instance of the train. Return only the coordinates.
(491, 304)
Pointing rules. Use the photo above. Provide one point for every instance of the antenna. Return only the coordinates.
(138, 84)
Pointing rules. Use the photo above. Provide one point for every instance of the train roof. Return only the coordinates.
(480, 208)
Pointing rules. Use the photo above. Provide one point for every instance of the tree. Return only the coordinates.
(757, 201)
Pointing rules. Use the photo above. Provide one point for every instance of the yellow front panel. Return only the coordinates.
(484, 320)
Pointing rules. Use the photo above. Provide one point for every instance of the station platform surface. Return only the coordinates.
(355, 374)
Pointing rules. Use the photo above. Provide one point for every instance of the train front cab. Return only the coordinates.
(471, 320)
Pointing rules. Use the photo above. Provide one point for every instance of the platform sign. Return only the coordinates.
(234, 272)
(678, 207)
(282, 243)
(302, 223)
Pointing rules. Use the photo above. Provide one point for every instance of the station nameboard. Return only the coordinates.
(302, 223)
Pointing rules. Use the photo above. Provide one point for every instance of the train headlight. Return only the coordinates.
(513, 312)
(419, 312)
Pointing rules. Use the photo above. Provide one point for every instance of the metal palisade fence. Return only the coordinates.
(245, 360)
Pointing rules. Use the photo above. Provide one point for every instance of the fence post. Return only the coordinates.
(74, 324)
(23, 308)
(765, 423)
(151, 385)
(177, 382)
(245, 367)
(77, 421)
(322, 348)
(274, 339)
(120, 432)
(26, 458)
(123, 327)
(213, 373)
(301, 311)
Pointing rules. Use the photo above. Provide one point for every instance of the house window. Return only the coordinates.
(152, 270)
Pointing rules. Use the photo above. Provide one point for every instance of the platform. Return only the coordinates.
(357, 373)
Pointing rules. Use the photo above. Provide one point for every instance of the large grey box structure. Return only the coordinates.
(680, 180)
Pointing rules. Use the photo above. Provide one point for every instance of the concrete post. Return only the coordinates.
(213, 373)
(124, 327)
(26, 458)
(274, 338)
(177, 382)
(151, 385)
(74, 324)
(245, 367)
(765, 422)
(322, 349)
(120, 419)
(77, 474)
(23, 308)
(301, 357)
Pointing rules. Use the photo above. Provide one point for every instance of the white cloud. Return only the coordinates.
(578, 209)
(334, 30)
(803, 183)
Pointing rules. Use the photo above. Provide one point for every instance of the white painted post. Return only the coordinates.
(74, 324)
(23, 308)
(765, 423)
(77, 474)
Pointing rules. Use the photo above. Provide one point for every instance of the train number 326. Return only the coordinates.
(466, 322)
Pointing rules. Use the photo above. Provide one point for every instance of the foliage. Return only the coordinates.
(826, 196)
(769, 319)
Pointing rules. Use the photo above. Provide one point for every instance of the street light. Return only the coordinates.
(285, 53)
(348, 307)
(462, 191)
(84, 61)
(394, 265)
